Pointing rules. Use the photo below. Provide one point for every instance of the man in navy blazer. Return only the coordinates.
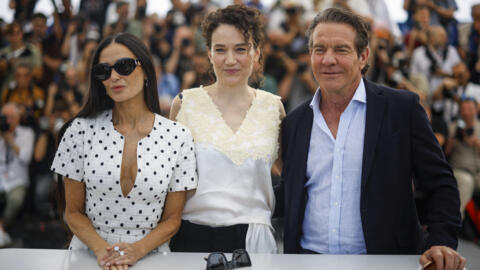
(350, 155)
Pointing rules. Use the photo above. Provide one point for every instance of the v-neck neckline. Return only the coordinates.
(122, 138)
(220, 114)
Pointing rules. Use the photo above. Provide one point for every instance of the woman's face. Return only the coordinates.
(122, 88)
(231, 55)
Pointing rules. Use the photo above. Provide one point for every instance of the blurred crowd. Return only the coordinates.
(44, 70)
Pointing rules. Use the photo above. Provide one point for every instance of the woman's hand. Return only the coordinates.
(120, 255)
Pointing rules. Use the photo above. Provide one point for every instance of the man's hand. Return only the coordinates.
(444, 257)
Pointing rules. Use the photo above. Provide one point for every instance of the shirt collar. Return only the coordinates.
(360, 96)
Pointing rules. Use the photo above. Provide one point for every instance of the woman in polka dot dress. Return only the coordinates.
(236, 130)
(126, 169)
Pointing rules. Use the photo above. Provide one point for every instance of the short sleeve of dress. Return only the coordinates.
(185, 172)
(69, 157)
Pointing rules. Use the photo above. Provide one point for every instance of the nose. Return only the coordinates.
(114, 76)
(230, 58)
(328, 58)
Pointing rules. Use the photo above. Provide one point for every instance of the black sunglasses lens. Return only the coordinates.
(240, 258)
(216, 261)
(102, 71)
(125, 66)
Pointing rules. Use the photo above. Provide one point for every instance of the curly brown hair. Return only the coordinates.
(245, 19)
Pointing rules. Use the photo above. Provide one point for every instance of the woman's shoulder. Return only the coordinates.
(83, 123)
(267, 95)
(173, 126)
(191, 91)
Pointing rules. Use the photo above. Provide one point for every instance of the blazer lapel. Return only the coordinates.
(304, 130)
(375, 112)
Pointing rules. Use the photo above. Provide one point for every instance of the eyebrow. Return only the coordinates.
(239, 44)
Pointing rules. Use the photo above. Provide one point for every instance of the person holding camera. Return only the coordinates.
(16, 147)
(463, 150)
(180, 60)
(451, 90)
(434, 60)
(25, 94)
(16, 51)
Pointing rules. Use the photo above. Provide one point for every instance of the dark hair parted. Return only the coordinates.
(343, 16)
(98, 100)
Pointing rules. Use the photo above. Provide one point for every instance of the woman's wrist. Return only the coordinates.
(140, 248)
(98, 249)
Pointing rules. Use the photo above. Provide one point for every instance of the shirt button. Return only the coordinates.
(336, 203)
(337, 177)
(334, 230)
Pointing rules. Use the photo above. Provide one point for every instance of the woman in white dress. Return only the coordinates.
(236, 132)
(126, 169)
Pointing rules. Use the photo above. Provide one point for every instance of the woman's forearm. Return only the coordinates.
(165, 230)
(83, 228)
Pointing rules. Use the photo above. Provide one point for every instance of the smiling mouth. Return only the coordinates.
(231, 71)
(330, 73)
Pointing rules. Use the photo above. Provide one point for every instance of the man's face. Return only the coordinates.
(13, 118)
(16, 36)
(461, 74)
(122, 11)
(468, 111)
(422, 16)
(476, 18)
(335, 62)
(39, 27)
(22, 77)
(71, 77)
(438, 36)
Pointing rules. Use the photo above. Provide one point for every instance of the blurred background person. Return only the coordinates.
(16, 147)
(450, 92)
(469, 43)
(26, 94)
(434, 60)
(15, 51)
(463, 150)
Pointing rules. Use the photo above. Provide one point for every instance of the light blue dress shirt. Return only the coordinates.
(332, 222)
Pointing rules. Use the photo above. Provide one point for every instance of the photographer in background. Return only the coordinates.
(16, 51)
(180, 61)
(451, 90)
(16, 146)
(24, 93)
(463, 150)
(435, 60)
(67, 92)
(42, 179)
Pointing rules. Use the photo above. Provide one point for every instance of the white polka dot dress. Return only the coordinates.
(91, 152)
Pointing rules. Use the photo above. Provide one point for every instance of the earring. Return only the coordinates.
(146, 82)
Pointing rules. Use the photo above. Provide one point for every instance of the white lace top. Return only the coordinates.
(234, 168)
(91, 151)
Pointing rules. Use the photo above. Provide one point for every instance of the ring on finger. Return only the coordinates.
(121, 252)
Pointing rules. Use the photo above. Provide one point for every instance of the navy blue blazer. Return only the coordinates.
(399, 145)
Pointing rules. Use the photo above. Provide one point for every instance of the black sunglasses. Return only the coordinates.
(123, 66)
(218, 261)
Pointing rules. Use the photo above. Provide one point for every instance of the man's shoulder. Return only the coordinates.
(396, 100)
(298, 112)
(388, 92)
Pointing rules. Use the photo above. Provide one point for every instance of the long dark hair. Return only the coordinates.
(98, 101)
